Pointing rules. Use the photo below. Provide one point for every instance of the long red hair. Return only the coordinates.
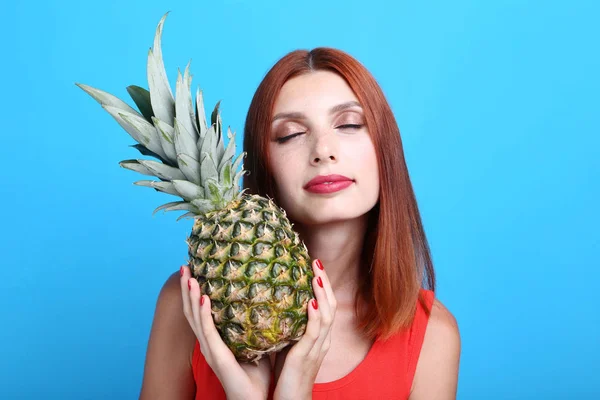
(396, 257)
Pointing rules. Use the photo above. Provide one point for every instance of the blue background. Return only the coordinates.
(498, 105)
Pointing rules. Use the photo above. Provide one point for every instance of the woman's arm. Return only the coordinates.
(168, 370)
(436, 376)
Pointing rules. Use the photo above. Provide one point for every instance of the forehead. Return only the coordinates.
(319, 90)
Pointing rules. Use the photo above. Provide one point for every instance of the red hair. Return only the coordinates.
(396, 258)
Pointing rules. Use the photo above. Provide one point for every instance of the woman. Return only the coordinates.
(323, 142)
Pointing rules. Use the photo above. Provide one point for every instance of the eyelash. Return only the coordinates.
(286, 138)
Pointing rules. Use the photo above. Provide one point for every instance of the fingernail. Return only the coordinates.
(315, 304)
(181, 271)
(201, 300)
(319, 281)
(319, 264)
(189, 284)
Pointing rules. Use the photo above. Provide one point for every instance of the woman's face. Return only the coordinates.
(311, 139)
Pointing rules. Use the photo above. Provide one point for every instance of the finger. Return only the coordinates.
(194, 295)
(215, 351)
(312, 331)
(219, 351)
(185, 275)
(327, 304)
(320, 271)
(326, 316)
(320, 318)
(324, 296)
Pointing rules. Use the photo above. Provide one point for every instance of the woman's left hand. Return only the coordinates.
(296, 366)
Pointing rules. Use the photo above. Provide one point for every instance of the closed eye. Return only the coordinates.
(286, 138)
(353, 126)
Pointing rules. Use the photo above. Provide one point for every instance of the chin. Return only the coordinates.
(323, 210)
(323, 216)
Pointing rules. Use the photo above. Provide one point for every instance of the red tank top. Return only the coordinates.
(386, 372)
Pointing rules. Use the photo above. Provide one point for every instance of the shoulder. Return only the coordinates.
(442, 325)
(436, 374)
(169, 305)
(167, 370)
(169, 314)
(170, 293)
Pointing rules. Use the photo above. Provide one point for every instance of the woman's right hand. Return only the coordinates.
(239, 380)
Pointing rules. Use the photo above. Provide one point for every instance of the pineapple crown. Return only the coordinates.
(193, 162)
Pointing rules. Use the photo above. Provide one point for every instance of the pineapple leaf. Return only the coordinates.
(188, 190)
(220, 150)
(229, 152)
(134, 165)
(163, 104)
(190, 168)
(200, 113)
(238, 175)
(183, 107)
(213, 191)
(218, 141)
(145, 130)
(144, 151)
(229, 193)
(116, 112)
(165, 135)
(187, 84)
(105, 98)
(203, 205)
(184, 144)
(208, 145)
(187, 79)
(208, 169)
(165, 187)
(187, 215)
(175, 206)
(225, 175)
(162, 171)
(238, 160)
(215, 112)
(141, 97)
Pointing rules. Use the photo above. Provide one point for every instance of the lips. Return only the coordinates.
(328, 183)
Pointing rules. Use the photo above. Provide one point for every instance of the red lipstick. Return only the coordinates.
(328, 183)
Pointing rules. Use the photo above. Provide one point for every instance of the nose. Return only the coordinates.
(324, 150)
(317, 160)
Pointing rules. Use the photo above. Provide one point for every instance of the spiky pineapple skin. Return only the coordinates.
(257, 273)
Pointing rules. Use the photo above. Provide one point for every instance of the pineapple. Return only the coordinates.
(242, 248)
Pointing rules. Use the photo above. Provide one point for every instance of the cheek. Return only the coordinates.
(366, 160)
(364, 157)
(285, 169)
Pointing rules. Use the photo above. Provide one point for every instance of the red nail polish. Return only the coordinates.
(315, 304)
(181, 271)
(189, 285)
(201, 300)
(319, 281)
(319, 264)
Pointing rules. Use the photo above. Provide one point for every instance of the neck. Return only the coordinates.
(338, 245)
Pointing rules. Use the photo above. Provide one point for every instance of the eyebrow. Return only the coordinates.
(333, 110)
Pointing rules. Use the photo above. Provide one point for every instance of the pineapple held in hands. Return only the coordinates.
(242, 248)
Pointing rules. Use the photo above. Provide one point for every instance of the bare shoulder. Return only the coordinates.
(442, 325)
(169, 297)
(436, 375)
(167, 369)
(169, 319)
